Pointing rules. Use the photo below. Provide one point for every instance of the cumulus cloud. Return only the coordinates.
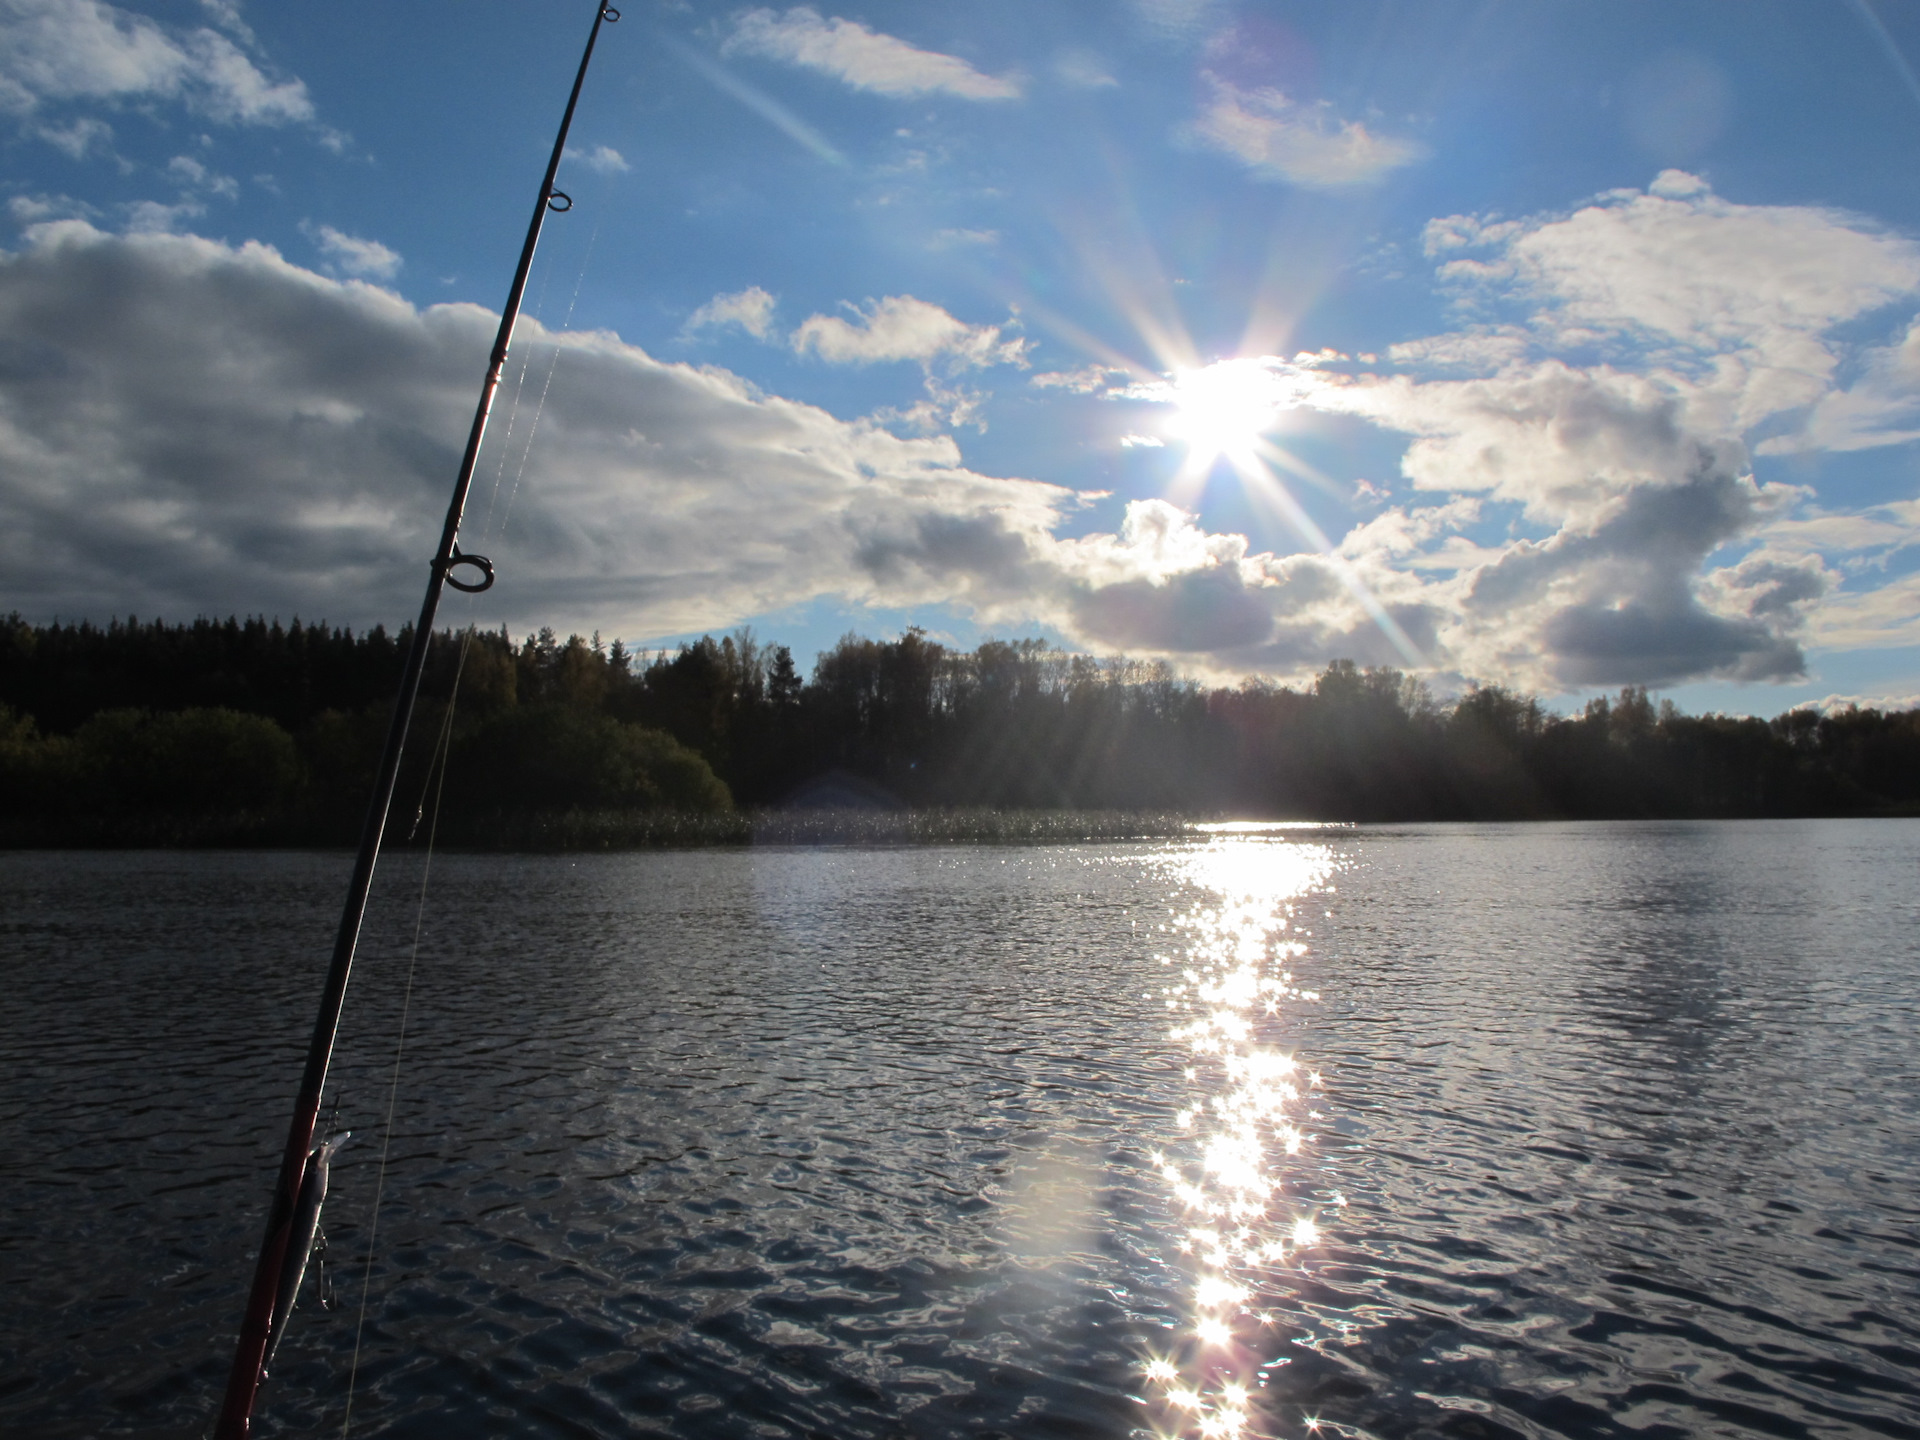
(860, 57)
(29, 210)
(253, 436)
(1619, 600)
(353, 255)
(1832, 704)
(1638, 545)
(1712, 329)
(1281, 139)
(1739, 299)
(65, 50)
(900, 327)
(602, 159)
(194, 177)
(750, 309)
(79, 138)
(1634, 494)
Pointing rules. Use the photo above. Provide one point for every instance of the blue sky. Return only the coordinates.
(1556, 345)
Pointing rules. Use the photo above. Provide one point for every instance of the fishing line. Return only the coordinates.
(437, 781)
(257, 1334)
(437, 758)
(513, 412)
(552, 366)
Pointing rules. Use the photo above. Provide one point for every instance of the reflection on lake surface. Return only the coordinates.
(1593, 1130)
(1241, 1223)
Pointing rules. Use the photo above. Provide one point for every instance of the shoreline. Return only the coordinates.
(588, 832)
(609, 830)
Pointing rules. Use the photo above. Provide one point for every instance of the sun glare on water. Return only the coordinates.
(1247, 1212)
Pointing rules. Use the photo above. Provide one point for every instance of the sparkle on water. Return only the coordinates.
(1246, 1204)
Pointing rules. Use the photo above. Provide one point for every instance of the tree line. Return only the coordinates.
(148, 717)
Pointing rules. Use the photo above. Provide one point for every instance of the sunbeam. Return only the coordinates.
(1227, 411)
(1268, 491)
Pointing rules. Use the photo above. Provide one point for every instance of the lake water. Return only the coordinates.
(1586, 1130)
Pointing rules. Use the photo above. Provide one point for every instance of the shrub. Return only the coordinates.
(551, 757)
(188, 761)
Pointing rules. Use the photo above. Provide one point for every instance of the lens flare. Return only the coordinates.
(1224, 408)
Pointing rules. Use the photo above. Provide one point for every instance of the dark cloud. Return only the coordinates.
(949, 549)
(1198, 611)
(188, 427)
(1654, 536)
(1637, 644)
(1618, 603)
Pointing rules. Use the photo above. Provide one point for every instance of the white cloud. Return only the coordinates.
(26, 210)
(900, 327)
(1626, 480)
(79, 137)
(153, 217)
(353, 255)
(1733, 306)
(1309, 145)
(1885, 617)
(1830, 704)
(1087, 380)
(63, 50)
(602, 159)
(750, 309)
(1738, 297)
(946, 407)
(1479, 348)
(862, 58)
(252, 436)
(762, 104)
(191, 175)
(1879, 528)
(226, 14)
(1881, 407)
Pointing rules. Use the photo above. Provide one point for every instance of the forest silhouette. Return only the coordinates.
(122, 733)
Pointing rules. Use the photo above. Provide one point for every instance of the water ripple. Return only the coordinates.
(1616, 1136)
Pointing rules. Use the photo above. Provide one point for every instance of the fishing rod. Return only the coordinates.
(295, 1210)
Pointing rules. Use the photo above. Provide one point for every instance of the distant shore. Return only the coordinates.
(584, 746)
(588, 831)
(597, 830)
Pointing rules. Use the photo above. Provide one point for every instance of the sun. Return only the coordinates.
(1224, 408)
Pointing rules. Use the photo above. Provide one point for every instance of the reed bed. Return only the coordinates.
(586, 830)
